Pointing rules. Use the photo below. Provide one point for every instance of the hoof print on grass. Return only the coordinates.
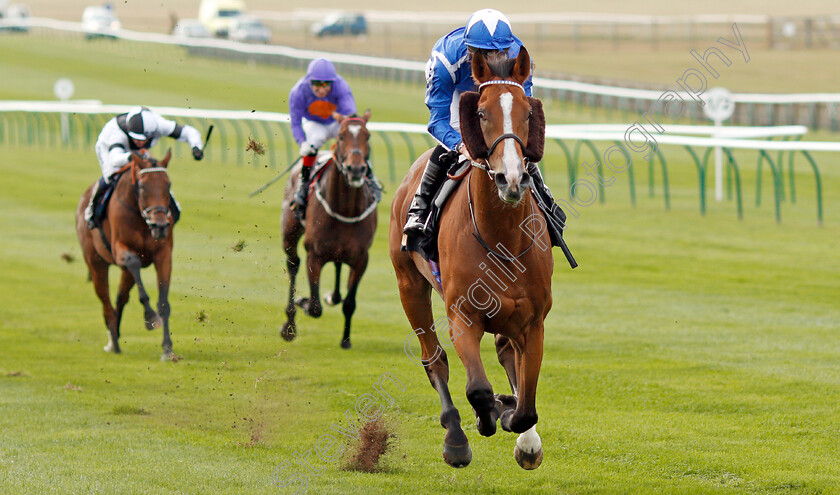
(129, 411)
(74, 388)
(372, 444)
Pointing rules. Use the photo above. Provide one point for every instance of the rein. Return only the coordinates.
(477, 234)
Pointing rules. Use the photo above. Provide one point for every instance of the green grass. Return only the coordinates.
(688, 354)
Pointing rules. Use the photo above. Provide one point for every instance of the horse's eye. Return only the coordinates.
(481, 115)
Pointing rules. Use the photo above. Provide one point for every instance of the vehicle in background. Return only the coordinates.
(341, 23)
(15, 14)
(100, 22)
(190, 28)
(249, 30)
(216, 15)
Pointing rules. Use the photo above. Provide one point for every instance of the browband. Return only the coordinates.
(152, 169)
(498, 81)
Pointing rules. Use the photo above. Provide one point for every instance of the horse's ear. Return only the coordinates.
(536, 131)
(471, 126)
(165, 161)
(522, 69)
(480, 70)
(366, 115)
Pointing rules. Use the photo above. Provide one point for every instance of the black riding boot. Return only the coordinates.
(302, 192)
(555, 215)
(433, 177)
(92, 218)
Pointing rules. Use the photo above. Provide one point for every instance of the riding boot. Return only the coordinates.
(418, 211)
(555, 215)
(301, 195)
(96, 195)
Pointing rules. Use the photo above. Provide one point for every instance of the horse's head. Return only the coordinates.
(500, 125)
(151, 183)
(352, 149)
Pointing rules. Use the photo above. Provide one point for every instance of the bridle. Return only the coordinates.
(492, 175)
(485, 166)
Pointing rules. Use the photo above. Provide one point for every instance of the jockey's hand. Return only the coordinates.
(198, 154)
(307, 149)
(462, 149)
(338, 117)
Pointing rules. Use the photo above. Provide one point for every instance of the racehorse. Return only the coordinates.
(494, 274)
(135, 233)
(339, 227)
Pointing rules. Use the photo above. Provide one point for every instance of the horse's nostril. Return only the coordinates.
(500, 180)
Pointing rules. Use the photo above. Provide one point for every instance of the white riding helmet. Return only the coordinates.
(140, 123)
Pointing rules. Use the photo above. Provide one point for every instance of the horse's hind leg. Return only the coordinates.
(163, 266)
(126, 283)
(415, 296)
(349, 306)
(131, 262)
(334, 297)
(507, 358)
(99, 277)
(312, 306)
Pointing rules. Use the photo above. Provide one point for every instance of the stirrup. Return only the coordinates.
(415, 225)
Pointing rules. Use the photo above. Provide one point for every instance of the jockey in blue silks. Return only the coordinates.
(448, 74)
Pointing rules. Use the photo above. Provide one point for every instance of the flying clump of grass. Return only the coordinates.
(257, 147)
(239, 246)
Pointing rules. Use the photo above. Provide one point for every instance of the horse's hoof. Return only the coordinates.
(110, 347)
(332, 298)
(486, 428)
(289, 331)
(155, 322)
(457, 456)
(345, 344)
(170, 356)
(301, 302)
(528, 460)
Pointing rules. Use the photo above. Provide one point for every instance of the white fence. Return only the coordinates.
(38, 123)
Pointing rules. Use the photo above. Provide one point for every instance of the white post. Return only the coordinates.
(64, 89)
(718, 167)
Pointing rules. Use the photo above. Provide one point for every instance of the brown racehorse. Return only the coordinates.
(339, 227)
(135, 233)
(496, 277)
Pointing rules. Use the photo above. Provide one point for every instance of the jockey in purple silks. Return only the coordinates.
(448, 74)
(316, 103)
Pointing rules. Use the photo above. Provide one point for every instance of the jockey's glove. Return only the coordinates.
(198, 154)
(307, 149)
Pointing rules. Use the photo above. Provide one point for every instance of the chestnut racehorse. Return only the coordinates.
(135, 233)
(339, 227)
(495, 277)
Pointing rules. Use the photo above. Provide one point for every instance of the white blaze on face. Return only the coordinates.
(510, 159)
(354, 129)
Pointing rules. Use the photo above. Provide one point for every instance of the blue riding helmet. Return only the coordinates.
(321, 69)
(488, 29)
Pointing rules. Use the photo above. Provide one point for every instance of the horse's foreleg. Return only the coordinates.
(290, 239)
(466, 336)
(99, 277)
(415, 297)
(126, 283)
(334, 297)
(349, 306)
(131, 262)
(163, 266)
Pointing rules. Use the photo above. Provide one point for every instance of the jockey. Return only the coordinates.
(139, 129)
(316, 103)
(448, 74)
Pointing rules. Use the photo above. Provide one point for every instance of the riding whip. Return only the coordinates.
(272, 181)
(207, 138)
